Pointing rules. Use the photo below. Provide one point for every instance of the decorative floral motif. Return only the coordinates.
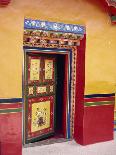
(39, 33)
(35, 37)
(51, 89)
(111, 3)
(31, 90)
(41, 89)
(53, 26)
(40, 117)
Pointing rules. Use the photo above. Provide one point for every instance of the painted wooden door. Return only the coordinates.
(39, 97)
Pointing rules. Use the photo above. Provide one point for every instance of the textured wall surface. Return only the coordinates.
(101, 41)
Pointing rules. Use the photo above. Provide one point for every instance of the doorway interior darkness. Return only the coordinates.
(62, 94)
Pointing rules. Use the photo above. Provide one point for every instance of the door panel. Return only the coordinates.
(34, 65)
(40, 97)
(48, 70)
(40, 116)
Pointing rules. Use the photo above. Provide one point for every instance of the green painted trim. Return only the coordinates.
(97, 103)
(113, 18)
(10, 110)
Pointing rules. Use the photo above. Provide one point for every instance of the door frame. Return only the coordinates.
(46, 34)
(68, 104)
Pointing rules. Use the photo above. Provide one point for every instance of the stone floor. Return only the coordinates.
(72, 148)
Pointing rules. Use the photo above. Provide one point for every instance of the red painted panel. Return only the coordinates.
(98, 124)
(11, 137)
(10, 105)
(79, 99)
(4, 2)
(65, 97)
(112, 10)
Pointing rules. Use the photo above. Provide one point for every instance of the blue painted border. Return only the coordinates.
(70, 76)
(99, 95)
(11, 100)
(53, 26)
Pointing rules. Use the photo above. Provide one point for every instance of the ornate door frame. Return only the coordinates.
(57, 36)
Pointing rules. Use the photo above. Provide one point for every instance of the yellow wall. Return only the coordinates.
(101, 41)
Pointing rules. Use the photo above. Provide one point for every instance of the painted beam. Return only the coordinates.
(53, 26)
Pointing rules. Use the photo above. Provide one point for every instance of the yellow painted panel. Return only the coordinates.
(41, 89)
(40, 116)
(48, 69)
(34, 69)
(31, 90)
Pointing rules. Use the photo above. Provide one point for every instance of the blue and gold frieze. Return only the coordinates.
(53, 26)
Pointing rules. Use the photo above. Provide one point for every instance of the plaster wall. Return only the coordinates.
(100, 50)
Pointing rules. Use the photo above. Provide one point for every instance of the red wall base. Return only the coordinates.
(10, 129)
(98, 124)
